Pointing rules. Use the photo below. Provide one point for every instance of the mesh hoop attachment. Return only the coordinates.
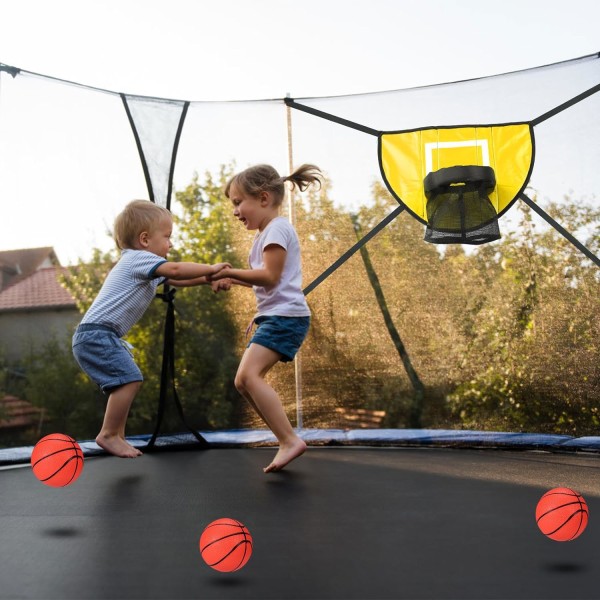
(458, 208)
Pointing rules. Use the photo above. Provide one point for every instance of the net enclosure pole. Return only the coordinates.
(292, 218)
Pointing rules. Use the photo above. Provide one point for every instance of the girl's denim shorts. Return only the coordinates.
(281, 334)
(104, 357)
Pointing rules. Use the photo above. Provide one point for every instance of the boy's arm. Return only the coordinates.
(185, 274)
(274, 260)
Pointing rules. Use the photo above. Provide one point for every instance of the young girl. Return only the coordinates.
(143, 233)
(282, 316)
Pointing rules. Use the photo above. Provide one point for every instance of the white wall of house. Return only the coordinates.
(21, 331)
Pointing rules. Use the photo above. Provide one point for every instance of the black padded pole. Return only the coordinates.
(167, 375)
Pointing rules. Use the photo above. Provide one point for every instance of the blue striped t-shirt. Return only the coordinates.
(126, 292)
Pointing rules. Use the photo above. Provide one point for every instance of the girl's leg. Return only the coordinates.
(112, 434)
(250, 382)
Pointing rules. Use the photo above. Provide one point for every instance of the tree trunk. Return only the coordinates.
(416, 408)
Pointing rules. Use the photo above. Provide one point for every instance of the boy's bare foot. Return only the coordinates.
(286, 454)
(117, 446)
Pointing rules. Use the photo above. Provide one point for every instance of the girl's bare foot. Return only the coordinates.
(117, 446)
(122, 436)
(286, 454)
(137, 451)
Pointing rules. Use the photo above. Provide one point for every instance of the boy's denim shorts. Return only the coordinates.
(281, 334)
(104, 356)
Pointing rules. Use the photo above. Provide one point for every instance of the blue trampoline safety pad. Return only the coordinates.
(352, 437)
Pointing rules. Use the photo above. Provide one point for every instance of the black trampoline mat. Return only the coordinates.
(339, 523)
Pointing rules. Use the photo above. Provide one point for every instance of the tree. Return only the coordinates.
(531, 362)
(416, 410)
(70, 402)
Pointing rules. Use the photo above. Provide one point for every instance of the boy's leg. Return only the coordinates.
(112, 434)
(255, 364)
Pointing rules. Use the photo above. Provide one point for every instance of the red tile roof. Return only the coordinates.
(41, 290)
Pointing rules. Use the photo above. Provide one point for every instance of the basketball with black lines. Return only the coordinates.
(562, 514)
(57, 460)
(226, 545)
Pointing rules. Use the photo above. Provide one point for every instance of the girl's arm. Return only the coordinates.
(205, 281)
(224, 285)
(273, 259)
(231, 282)
(188, 282)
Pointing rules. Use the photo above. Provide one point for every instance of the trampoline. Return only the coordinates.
(341, 522)
(377, 514)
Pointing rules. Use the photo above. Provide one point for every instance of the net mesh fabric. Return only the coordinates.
(505, 311)
(461, 217)
(156, 123)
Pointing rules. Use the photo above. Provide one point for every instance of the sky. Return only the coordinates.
(233, 50)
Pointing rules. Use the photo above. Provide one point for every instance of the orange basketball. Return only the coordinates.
(57, 460)
(562, 514)
(226, 545)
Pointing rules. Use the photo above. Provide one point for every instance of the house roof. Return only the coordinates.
(27, 259)
(41, 290)
(19, 264)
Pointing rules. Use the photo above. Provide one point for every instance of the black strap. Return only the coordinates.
(342, 259)
(186, 105)
(330, 117)
(560, 229)
(565, 105)
(138, 143)
(167, 375)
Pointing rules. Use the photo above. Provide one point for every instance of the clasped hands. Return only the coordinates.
(219, 281)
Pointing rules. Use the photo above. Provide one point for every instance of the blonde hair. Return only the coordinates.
(136, 217)
(264, 178)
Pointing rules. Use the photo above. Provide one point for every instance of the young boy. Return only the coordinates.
(143, 233)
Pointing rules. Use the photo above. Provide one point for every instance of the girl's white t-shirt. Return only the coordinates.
(285, 299)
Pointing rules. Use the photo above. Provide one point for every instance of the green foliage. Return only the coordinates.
(71, 403)
(85, 279)
(533, 332)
